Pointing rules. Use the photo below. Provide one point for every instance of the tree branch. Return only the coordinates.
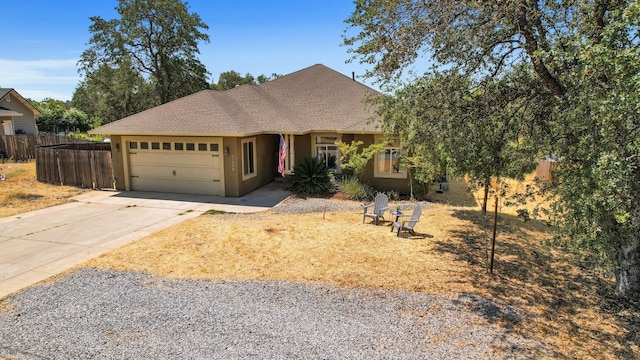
(531, 47)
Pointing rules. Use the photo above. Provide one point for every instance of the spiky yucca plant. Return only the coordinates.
(311, 177)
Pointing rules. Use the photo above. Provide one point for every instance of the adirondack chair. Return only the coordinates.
(408, 224)
(379, 207)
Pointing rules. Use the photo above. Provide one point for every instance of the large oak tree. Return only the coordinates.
(586, 60)
(157, 39)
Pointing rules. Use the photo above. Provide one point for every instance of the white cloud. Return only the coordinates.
(39, 79)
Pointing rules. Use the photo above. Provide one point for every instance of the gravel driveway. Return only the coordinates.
(97, 314)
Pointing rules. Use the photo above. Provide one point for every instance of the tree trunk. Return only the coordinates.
(486, 197)
(628, 273)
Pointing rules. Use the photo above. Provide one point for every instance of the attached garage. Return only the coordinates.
(188, 165)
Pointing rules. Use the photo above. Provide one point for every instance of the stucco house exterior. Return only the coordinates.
(226, 142)
(17, 115)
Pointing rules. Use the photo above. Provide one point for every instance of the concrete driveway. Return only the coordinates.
(37, 245)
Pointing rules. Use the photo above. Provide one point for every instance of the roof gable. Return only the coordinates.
(4, 92)
(313, 99)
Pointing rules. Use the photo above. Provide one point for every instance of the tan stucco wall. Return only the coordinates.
(232, 166)
(382, 184)
(117, 158)
(25, 122)
(266, 168)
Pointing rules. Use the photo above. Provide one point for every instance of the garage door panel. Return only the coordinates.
(177, 186)
(163, 169)
(191, 173)
(179, 159)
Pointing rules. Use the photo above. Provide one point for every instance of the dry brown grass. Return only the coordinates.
(570, 308)
(21, 192)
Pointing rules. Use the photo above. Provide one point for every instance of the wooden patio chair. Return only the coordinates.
(408, 224)
(379, 207)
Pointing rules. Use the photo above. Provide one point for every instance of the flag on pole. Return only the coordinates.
(282, 155)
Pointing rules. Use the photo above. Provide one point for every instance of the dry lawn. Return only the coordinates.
(567, 306)
(20, 192)
(563, 303)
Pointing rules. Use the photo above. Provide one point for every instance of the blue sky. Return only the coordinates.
(43, 39)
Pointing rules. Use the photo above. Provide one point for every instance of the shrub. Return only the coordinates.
(393, 195)
(311, 178)
(354, 189)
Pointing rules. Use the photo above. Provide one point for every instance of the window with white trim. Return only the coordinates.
(387, 163)
(249, 161)
(327, 151)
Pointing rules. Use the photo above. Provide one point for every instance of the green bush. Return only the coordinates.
(311, 178)
(354, 189)
(85, 136)
(393, 195)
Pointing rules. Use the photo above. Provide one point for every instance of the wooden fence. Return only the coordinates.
(17, 147)
(23, 147)
(545, 168)
(87, 165)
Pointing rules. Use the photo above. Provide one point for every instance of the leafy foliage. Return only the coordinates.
(112, 93)
(560, 76)
(311, 177)
(156, 40)
(354, 189)
(57, 116)
(231, 79)
(353, 158)
(483, 130)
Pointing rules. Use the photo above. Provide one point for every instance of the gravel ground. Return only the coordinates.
(97, 314)
(297, 205)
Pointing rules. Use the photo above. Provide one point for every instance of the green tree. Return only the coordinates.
(76, 120)
(51, 117)
(59, 116)
(262, 78)
(112, 93)
(354, 157)
(158, 39)
(482, 130)
(584, 56)
(230, 79)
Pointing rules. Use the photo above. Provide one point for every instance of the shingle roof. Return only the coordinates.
(5, 91)
(313, 99)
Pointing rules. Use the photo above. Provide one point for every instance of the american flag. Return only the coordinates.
(282, 155)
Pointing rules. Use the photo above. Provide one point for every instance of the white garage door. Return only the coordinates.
(178, 165)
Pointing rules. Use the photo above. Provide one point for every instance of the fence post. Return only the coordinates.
(56, 152)
(92, 163)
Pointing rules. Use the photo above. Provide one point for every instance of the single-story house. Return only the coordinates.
(226, 142)
(17, 115)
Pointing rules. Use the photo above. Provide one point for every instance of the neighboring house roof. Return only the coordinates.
(313, 99)
(8, 112)
(6, 91)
